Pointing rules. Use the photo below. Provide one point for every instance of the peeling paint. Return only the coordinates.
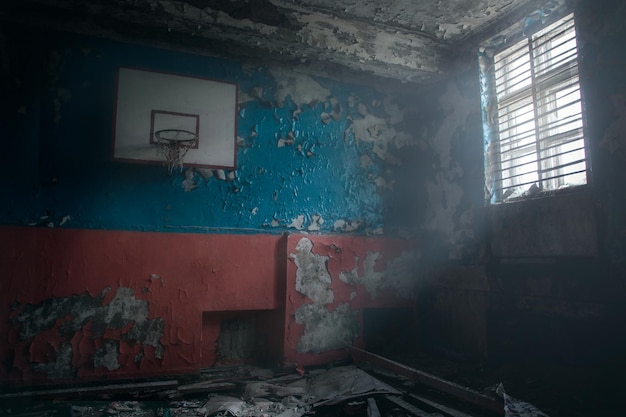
(375, 131)
(301, 89)
(312, 277)
(351, 277)
(124, 315)
(399, 274)
(189, 183)
(297, 223)
(316, 223)
(346, 226)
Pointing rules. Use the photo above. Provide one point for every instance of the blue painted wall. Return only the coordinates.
(57, 130)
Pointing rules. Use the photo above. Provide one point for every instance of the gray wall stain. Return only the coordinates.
(326, 330)
(398, 275)
(107, 355)
(61, 367)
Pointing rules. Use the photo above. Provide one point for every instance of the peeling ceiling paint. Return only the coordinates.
(396, 39)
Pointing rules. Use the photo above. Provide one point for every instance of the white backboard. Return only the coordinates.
(149, 101)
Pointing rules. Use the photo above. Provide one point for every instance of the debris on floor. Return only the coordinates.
(370, 386)
(514, 407)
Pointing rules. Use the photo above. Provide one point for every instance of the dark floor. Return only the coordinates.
(559, 390)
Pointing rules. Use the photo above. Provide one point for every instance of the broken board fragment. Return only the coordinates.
(344, 383)
(463, 393)
(94, 390)
(439, 407)
(206, 386)
(410, 408)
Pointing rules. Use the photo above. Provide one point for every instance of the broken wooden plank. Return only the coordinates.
(439, 407)
(206, 386)
(407, 406)
(460, 392)
(100, 389)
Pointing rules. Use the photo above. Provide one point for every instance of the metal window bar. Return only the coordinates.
(523, 151)
(539, 111)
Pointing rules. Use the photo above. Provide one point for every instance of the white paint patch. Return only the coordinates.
(316, 224)
(378, 231)
(449, 30)
(339, 225)
(345, 226)
(302, 89)
(189, 183)
(205, 173)
(375, 130)
(398, 275)
(297, 223)
(284, 142)
(245, 24)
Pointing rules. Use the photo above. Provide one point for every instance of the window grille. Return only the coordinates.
(538, 143)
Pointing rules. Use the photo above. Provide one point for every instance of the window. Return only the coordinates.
(536, 142)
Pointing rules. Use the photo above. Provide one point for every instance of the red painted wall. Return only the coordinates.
(179, 275)
(190, 282)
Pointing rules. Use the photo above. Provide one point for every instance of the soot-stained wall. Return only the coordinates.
(542, 279)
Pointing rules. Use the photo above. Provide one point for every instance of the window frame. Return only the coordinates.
(568, 78)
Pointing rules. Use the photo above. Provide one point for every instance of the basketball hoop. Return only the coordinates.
(173, 144)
